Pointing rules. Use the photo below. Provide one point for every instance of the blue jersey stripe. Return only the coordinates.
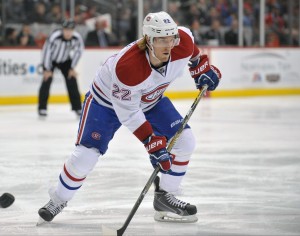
(176, 173)
(99, 96)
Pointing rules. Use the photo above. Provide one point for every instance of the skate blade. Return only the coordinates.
(174, 218)
(41, 221)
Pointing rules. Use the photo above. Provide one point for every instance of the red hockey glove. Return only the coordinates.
(205, 74)
(156, 147)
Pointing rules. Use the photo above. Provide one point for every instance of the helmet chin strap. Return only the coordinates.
(151, 49)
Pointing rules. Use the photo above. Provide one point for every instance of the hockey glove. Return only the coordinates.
(205, 74)
(156, 147)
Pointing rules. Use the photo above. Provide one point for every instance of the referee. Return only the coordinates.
(62, 50)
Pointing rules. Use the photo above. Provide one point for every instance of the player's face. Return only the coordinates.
(163, 46)
(67, 34)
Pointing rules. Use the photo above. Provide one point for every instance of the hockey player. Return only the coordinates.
(128, 90)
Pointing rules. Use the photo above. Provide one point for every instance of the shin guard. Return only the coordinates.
(183, 150)
(76, 168)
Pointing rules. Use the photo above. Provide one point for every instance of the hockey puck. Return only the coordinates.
(6, 200)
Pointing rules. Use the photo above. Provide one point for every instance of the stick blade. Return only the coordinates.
(108, 231)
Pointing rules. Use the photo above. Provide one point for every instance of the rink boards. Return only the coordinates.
(245, 72)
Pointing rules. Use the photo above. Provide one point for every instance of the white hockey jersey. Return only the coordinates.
(127, 83)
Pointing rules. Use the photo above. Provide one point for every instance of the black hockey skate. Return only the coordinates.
(170, 209)
(51, 209)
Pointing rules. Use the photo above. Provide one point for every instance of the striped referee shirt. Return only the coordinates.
(57, 49)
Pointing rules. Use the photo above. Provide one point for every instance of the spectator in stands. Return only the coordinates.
(175, 13)
(80, 14)
(193, 14)
(272, 39)
(248, 19)
(91, 12)
(275, 22)
(223, 8)
(277, 16)
(99, 37)
(25, 37)
(14, 11)
(28, 8)
(10, 37)
(274, 18)
(231, 36)
(131, 33)
(249, 23)
(202, 6)
(39, 15)
(195, 28)
(229, 19)
(55, 15)
(213, 15)
(213, 36)
(124, 25)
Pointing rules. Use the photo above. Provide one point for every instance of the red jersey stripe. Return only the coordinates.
(185, 47)
(83, 119)
(97, 87)
(180, 163)
(144, 131)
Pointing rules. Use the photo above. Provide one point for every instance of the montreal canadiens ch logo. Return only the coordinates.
(96, 135)
(155, 93)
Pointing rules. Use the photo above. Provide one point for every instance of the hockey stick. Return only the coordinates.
(120, 231)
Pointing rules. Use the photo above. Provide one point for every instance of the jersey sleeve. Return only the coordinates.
(196, 53)
(47, 51)
(187, 44)
(79, 46)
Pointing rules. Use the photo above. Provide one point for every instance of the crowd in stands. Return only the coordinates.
(213, 22)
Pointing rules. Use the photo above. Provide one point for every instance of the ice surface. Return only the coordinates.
(244, 176)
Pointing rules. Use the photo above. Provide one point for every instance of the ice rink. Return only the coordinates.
(244, 176)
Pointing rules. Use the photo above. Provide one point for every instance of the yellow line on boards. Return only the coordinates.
(14, 100)
(31, 100)
(255, 92)
(236, 93)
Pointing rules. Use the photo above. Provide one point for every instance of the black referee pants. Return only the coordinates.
(71, 84)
